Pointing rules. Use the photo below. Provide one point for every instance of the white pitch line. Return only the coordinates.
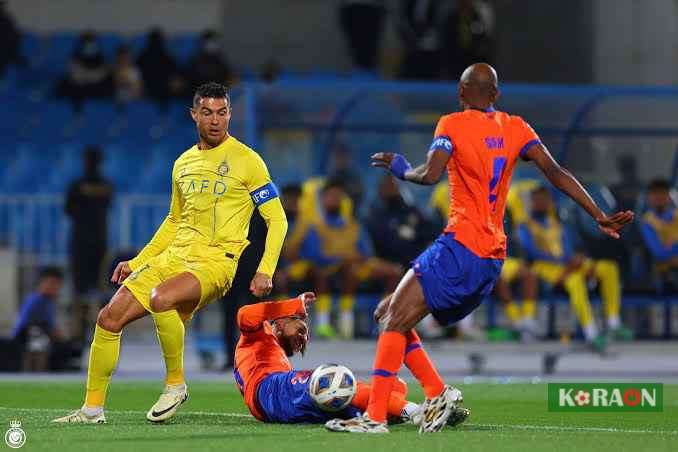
(495, 426)
(61, 410)
(572, 428)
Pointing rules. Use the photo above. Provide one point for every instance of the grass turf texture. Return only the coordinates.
(503, 417)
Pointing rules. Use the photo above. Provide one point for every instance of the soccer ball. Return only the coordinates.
(332, 387)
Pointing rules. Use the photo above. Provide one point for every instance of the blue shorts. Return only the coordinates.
(454, 280)
(284, 398)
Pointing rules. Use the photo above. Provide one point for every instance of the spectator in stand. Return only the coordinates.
(467, 36)
(660, 233)
(127, 80)
(161, 74)
(209, 64)
(87, 203)
(35, 332)
(10, 37)
(362, 22)
(399, 231)
(88, 75)
(420, 25)
(342, 168)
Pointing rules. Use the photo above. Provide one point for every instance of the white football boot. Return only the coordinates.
(360, 424)
(168, 403)
(458, 416)
(439, 409)
(79, 417)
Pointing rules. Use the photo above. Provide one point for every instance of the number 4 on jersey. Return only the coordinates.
(498, 165)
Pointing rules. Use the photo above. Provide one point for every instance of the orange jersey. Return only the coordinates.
(258, 353)
(483, 148)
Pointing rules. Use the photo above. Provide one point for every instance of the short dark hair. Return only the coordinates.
(291, 190)
(212, 89)
(656, 185)
(51, 271)
(334, 182)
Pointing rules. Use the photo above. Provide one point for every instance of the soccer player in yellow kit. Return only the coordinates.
(192, 259)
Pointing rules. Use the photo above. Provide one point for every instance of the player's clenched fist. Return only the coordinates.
(261, 285)
(121, 272)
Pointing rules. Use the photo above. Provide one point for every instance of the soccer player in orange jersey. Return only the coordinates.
(274, 391)
(479, 146)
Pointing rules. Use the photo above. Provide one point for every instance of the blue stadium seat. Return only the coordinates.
(60, 47)
(28, 171)
(182, 46)
(137, 43)
(30, 46)
(109, 44)
(123, 165)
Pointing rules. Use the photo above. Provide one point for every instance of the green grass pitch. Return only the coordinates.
(504, 417)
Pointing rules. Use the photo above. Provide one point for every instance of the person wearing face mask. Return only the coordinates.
(88, 75)
(209, 64)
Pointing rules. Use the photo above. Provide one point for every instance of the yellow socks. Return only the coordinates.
(607, 273)
(103, 357)
(512, 312)
(171, 333)
(346, 319)
(529, 308)
(575, 285)
(323, 305)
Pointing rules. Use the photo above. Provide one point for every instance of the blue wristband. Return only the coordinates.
(399, 166)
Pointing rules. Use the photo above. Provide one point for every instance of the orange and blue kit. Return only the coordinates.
(461, 267)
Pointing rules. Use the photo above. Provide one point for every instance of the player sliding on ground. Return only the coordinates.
(191, 260)
(275, 392)
(479, 146)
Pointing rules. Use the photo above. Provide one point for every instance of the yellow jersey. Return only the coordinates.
(214, 193)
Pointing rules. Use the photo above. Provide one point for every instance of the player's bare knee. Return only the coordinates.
(396, 320)
(108, 321)
(158, 301)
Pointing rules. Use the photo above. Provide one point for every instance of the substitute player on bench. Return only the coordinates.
(191, 260)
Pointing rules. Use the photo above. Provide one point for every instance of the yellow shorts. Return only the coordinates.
(214, 274)
(552, 271)
(361, 270)
(298, 270)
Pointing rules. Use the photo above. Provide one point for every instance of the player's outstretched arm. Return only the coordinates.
(562, 179)
(427, 173)
(251, 317)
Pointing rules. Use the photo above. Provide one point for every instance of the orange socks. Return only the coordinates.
(388, 360)
(421, 366)
(396, 403)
